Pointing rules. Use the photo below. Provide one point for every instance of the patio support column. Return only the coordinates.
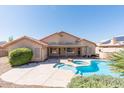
(65, 51)
(76, 51)
(59, 51)
(81, 51)
(49, 51)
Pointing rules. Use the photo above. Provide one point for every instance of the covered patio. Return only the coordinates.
(65, 51)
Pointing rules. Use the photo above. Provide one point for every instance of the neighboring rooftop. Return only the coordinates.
(115, 41)
(118, 39)
(2, 42)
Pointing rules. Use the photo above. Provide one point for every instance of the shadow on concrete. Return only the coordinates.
(37, 63)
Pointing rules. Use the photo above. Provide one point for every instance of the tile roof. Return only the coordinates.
(24, 37)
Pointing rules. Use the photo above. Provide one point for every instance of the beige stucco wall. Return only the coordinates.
(105, 55)
(56, 38)
(29, 44)
(44, 53)
(83, 51)
(107, 51)
(113, 49)
(88, 49)
(3, 52)
(97, 50)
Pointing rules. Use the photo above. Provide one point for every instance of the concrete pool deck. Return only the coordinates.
(41, 73)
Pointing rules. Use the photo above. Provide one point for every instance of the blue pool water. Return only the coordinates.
(97, 67)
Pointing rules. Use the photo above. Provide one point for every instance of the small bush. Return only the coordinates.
(20, 56)
(96, 81)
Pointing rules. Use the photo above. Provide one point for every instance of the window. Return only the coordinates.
(69, 50)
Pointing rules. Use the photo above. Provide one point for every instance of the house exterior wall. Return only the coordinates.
(105, 55)
(3, 52)
(60, 39)
(28, 44)
(66, 44)
(88, 49)
(105, 52)
(113, 49)
(44, 53)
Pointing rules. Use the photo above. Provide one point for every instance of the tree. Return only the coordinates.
(10, 38)
(117, 59)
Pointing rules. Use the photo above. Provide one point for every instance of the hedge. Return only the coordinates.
(20, 56)
(96, 81)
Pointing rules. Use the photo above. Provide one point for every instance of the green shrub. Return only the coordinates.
(96, 81)
(20, 56)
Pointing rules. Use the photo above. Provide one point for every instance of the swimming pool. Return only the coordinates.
(97, 67)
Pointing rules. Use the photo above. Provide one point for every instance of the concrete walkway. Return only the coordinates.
(38, 74)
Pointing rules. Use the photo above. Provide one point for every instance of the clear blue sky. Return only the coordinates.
(94, 23)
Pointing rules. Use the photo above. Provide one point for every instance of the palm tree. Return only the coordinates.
(117, 59)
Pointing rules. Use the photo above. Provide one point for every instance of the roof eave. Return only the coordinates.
(24, 37)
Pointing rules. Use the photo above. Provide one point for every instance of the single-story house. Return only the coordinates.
(57, 44)
(3, 52)
(107, 47)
